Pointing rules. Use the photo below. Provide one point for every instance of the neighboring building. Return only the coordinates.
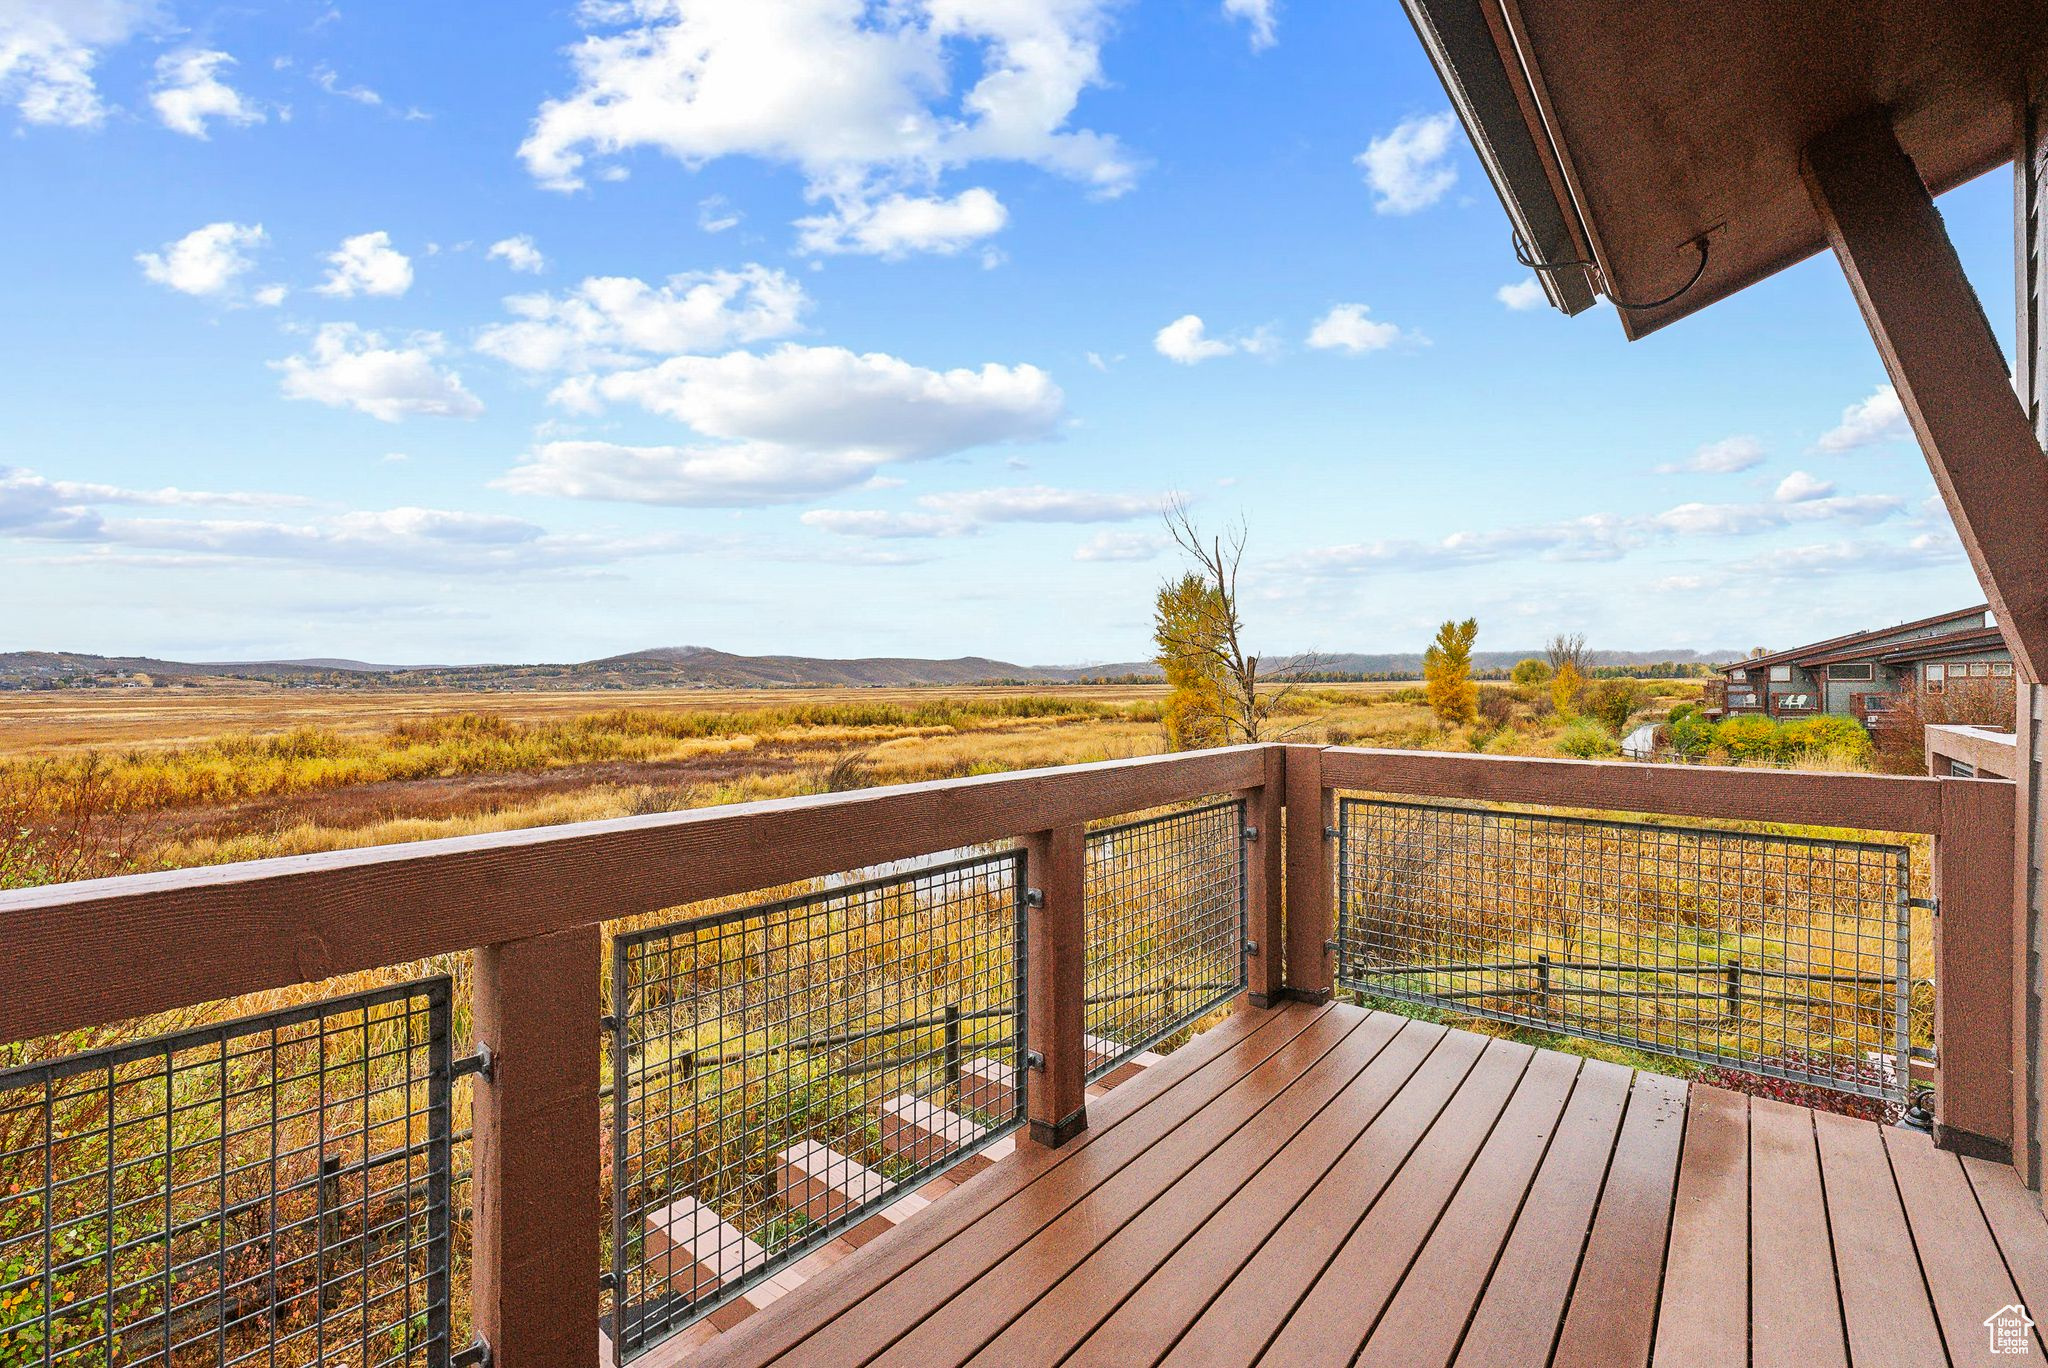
(1858, 675)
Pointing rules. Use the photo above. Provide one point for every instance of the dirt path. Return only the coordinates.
(463, 795)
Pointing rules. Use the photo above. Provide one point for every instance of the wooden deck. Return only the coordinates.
(1328, 1185)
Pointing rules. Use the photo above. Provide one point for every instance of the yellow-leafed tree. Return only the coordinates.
(1447, 673)
(1188, 628)
(1566, 688)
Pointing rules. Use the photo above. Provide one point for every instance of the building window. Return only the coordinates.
(2001, 669)
(1873, 703)
(1961, 769)
(1738, 675)
(1781, 674)
(1980, 669)
(1861, 671)
(1936, 677)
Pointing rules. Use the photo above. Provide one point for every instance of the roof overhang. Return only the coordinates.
(1625, 133)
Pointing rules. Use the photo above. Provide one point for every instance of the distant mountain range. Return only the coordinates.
(685, 667)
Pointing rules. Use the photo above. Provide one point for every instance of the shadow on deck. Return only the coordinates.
(1328, 1185)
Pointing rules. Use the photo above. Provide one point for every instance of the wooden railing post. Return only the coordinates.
(1265, 922)
(1973, 983)
(1311, 917)
(534, 1275)
(1056, 1093)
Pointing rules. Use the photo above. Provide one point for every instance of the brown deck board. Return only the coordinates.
(1426, 1318)
(1262, 1302)
(1325, 1185)
(1795, 1313)
(1517, 1319)
(1885, 1310)
(1966, 1274)
(1613, 1308)
(1214, 1153)
(2016, 1222)
(1111, 1174)
(1308, 1129)
(1154, 1314)
(1703, 1321)
(1174, 1092)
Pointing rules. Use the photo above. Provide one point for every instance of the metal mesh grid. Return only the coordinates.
(1165, 927)
(1765, 954)
(271, 1190)
(779, 1071)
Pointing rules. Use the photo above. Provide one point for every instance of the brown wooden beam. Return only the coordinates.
(1973, 975)
(1055, 991)
(1265, 882)
(535, 1254)
(1941, 355)
(1311, 920)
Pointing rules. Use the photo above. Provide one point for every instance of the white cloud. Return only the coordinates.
(30, 504)
(787, 425)
(1120, 546)
(1596, 536)
(963, 512)
(1409, 169)
(901, 224)
(189, 91)
(829, 398)
(858, 97)
(1879, 418)
(325, 77)
(1522, 295)
(1346, 328)
(1801, 564)
(270, 296)
(208, 262)
(1259, 16)
(367, 264)
(1186, 340)
(1800, 487)
(715, 215)
(352, 368)
(48, 49)
(612, 321)
(1728, 456)
(733, 475)
(519, 253)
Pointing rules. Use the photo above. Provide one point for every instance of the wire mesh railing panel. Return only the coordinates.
(1165, 927)
(1770, 955)
(272, 1190)
(781, 1071)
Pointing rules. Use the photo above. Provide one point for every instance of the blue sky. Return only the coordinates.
(443, 332)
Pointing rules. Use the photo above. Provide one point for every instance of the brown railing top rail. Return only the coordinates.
(106, 950)
(1865, 802)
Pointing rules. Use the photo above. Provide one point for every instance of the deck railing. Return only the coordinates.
(1236, 886)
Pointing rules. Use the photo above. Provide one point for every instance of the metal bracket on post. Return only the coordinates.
(1034, 1060)
(1034, 897)
(1329, 833)
(478, 1355)
(1250, 833)
(483, 1064)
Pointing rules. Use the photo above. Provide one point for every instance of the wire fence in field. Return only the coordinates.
(1164, 927)
(269, 1190)
(779, 1071)
(1779, 956)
